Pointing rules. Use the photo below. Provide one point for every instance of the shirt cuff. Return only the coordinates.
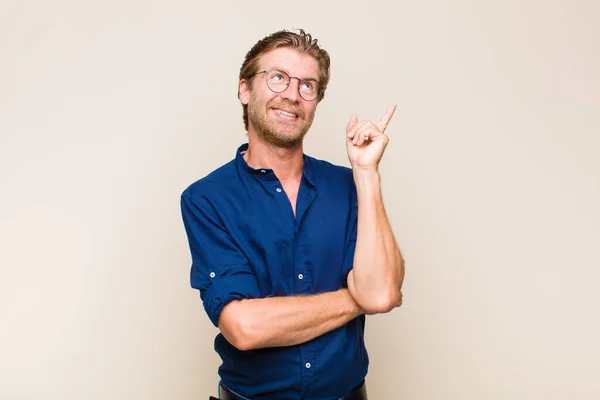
(223, 289)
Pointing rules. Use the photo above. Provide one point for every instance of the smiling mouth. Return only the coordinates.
(284, 113)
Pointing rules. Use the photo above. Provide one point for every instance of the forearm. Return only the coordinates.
(378, 271)
(285, 321)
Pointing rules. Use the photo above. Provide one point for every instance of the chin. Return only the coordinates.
(282, 139)
(279, 133)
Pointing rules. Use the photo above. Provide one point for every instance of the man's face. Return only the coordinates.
(269, 112)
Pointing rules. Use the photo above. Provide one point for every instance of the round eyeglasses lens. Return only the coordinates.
(278, 81)
(309, 89)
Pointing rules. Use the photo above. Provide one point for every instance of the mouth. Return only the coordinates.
(287, 115)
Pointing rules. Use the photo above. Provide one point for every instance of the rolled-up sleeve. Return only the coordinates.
(219, 270)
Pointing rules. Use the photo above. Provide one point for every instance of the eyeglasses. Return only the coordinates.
(278, 81)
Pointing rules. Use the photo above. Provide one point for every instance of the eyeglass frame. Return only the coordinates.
(288, 84)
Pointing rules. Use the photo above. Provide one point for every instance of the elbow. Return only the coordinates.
(240, 339)
(242, 344)
(380, 302)
(237, 327)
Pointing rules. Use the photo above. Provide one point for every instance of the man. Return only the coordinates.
(290, 252)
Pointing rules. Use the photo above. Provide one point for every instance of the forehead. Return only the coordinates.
(291, 61)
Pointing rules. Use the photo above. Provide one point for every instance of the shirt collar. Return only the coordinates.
(308, 167)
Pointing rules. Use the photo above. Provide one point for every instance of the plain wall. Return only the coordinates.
(491, 180)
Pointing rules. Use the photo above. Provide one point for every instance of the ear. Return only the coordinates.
(244, 91)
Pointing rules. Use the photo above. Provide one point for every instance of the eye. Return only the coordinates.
(307, 85)
(277, 77)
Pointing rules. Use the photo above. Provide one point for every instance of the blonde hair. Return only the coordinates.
(302, 42)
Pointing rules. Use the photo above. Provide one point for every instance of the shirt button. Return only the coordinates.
(278, 190)
(307, 365)
(212, 274)
(262, 171)
(300, 276)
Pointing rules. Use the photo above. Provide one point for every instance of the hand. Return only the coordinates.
(366, 141)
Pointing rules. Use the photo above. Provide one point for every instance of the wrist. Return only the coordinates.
(350, 306)
(364, 168)
(367, 181)
(365, 173)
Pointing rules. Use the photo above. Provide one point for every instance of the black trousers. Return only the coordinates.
(358, 393)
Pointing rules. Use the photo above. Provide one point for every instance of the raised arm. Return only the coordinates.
(376, 278)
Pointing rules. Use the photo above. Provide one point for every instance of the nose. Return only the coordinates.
(292, 91)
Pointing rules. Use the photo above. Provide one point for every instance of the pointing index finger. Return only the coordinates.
(353, 121)
(385, 120)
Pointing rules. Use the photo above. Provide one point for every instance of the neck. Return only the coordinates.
(286, 163)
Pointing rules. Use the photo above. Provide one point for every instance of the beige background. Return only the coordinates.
(108, 110)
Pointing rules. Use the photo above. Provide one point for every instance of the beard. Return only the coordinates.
(279, 133)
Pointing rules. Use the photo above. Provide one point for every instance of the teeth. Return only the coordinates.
(286, 113)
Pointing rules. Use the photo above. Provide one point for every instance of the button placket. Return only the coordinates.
(309, 369)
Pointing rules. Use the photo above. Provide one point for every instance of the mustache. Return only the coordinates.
(288, 105)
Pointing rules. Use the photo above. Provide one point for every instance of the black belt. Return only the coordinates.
(358, 393)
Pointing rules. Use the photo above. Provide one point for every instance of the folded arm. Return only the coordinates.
(285, 321)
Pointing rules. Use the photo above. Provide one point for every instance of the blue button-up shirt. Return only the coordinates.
(246, 243)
